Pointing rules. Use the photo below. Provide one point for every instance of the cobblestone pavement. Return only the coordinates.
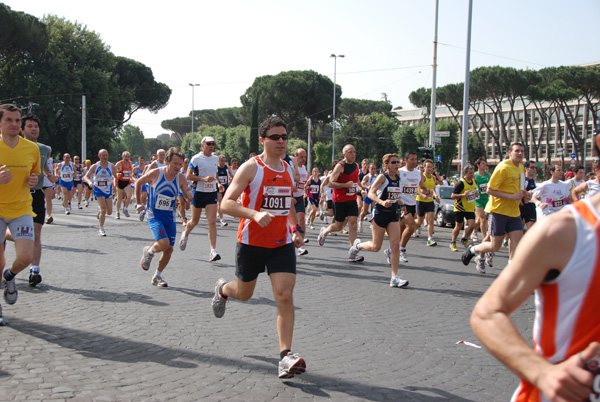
(96, 329)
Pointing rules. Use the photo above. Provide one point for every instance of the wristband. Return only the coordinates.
(297, 228)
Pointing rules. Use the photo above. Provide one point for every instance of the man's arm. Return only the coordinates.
(580, 189)
(149, 177)
(333, 183)
(490, 318)
(87, 176)
(499, 194)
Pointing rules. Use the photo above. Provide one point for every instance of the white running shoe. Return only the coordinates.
(223, 223)
(101, 232)
(142, 215)
(322, 236)
(146, 258)
(183, 242)
(302, 251)
(118, 215)
(397, 282)
(360, 227)
(214, 256)
(291, 365)
(126, 212)
(159, 281)
(353, 252)
(87, 204)
(480, 265)
(388, 255)
(403, 257)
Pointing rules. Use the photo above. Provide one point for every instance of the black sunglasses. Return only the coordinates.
(394, 162)
(276, 137)
(210, 144)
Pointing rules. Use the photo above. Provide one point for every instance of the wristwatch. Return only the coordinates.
(297, 228)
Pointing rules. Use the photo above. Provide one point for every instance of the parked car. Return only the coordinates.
(444, 210)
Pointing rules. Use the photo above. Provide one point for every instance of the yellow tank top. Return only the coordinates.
(430, 184)
(467, 204)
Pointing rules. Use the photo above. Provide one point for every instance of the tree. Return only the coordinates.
(133, 139)
(293, 96)
(406, 140)
(22, 36)
(351, 108)
(371, 135)
(421, 98)
(322, 154)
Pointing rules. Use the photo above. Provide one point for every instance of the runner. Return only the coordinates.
(365, 184)
(183, 204)
(506, 188)
(363, 209)
(552, 195)
(49, 185)
(234, 167)
(385, 193)
(464, 195)
(224, 175)
(588, 188)
(124, 177)
(203, 172)
(344, 182)
(104, 172)
(20, 167)
(313, 184)
(77, 184)
(425, 204)
(559, 260)
(165, 184)
(87, 190)
(65, 173)
(138, 172)
(265, 238)
(299, 193)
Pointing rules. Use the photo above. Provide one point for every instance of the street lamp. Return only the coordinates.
(334, 81)
(192, 136)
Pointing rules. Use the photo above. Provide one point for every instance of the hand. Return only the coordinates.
(210, 179)
(263, 218)
(569, 380)
(387, 204)
(517, 196)
(543, 205)
(349, 184)
(32, 180)
(53, 178)
(437, 199)
(297, 239)
(190, 196)
(140, 207)
(5, 176)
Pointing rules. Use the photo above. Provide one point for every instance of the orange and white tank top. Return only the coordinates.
(566, 317)
(125, 173)
(270, 191)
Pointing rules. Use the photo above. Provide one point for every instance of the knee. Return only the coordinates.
(284, 296)
(376, 248)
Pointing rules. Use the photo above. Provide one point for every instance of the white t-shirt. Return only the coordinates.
(409, 183)
(553, 194)
(593, 188)
(203, 166)
(303, 176)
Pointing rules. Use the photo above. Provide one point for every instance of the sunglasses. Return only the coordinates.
(277, 137)
(210, 144)
(395, 162)
(532, 167)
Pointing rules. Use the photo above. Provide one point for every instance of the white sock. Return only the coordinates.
(157, 274)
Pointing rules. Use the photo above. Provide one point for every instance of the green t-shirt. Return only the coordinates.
(482, 185)
(45, 151)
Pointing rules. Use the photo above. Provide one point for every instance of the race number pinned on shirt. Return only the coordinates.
(209, 186)
(409, 188)
(394, 193)
(352, 190)
(164, 203)
(102, 183)
(472, 195)
(277, 200)
(314, 189)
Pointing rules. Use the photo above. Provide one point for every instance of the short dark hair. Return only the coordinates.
(30, 117)
(8, 108)
(467, 168)
(553, 166)
(407, 154)
(578, 168)
(269, 123)
(479, 160)
(515, 144)
(174, 151)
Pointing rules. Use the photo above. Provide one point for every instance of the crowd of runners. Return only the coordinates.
(277, 200)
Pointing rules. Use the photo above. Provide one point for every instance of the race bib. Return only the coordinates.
(223, 180)
(276, 200)
(394, 193)
(126, 174)
(77, 175)
(66, 176)
(314, 189)
(410, 189)
(483, 187)
(164, 203)
(472, 196)
(209, 186)
(102, 183)
(352, 190)
(300, 186)
(558, 203)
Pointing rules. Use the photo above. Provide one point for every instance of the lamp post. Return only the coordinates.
(192, 136)
(333, 122)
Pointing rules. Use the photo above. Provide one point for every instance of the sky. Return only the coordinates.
(388, 44)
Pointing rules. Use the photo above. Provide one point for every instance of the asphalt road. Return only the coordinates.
(96, 329)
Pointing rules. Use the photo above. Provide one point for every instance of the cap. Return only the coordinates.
(207, 139)
(569, 174)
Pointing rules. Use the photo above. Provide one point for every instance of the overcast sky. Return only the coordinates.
(224, 45)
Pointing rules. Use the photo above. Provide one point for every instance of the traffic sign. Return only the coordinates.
(439, 158)
(437, 140)
(573, 155)
(442, 133)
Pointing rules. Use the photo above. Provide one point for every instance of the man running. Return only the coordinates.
(203, 172)
(506, 188)
(559, 260)
(552, 195)
(104, 173)
(20, 167)
(299, 192)
(588, 188)
(124, 177)
(344, 182)
(65, 173)
(224, 175)
(165, 183)
(265, 236)
(425, 204)
(464, 195)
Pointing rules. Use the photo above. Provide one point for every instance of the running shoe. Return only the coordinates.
(388, 255)
(142, 215)
(67, 212)
(34, 276)
(417, 232)
(505, 243)
(10, 289)
(158, 281)
(126, 212)
(223, 223)
(184, 222)
(474, 236)
(49, 219)
(431, 243)
(358, 258)
(306, 241)
(397, 282)
(403, 257)
(489, 259)
(302, 251)
(481, 265)
(291, 365)
(79, 206)
(219, 302)
(322, 236)
(101, 232)
(453, 246)
(467, 255)
(118, 215)
(322, 216)
(87, 204)
(311, 227)
(214, 256)
(353, 252)
(465, 242)
(146, 258)
(183, 242)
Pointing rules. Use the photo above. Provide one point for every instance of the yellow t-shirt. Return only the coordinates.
(22, 160)
(430, 185)
(509, 179)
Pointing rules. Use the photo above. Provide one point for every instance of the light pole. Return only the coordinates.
(192, 136)
(333, 123)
